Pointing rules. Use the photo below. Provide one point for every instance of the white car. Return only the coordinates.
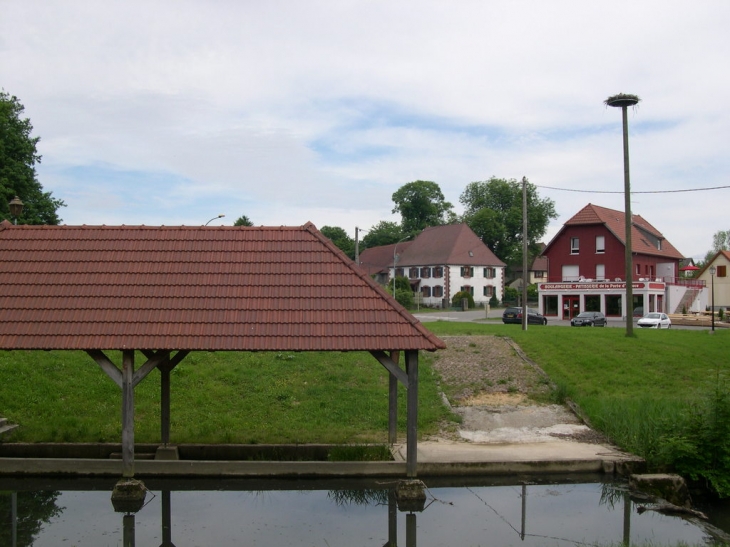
(655, 320)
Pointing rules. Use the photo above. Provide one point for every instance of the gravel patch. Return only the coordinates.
(489, 383)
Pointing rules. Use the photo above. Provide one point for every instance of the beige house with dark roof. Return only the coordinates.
(439, 262)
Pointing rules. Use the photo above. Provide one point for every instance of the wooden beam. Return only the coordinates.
(151, 363)
(127, 413)
(412, 419)
(385, 360)
(106, 365)
(393, 401)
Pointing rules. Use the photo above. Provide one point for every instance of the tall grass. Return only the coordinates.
(660, 394)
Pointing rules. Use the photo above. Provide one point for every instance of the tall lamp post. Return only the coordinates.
(16, 208)
(712, 292)
(623, 101)
(395, 259)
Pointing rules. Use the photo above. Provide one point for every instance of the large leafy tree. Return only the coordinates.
(18, 157)
(383, 233)
(339, 237)
(720, 242)
(493, 209)
(421, 204)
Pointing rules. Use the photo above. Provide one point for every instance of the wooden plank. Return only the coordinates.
(128, 413)
(106, 365)
(393, 401)
(385, 360)
(151, 363)
(412, 418)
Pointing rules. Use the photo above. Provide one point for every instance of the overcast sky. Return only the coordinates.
(172, 112)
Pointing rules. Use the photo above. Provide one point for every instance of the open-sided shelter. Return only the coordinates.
(167, 291)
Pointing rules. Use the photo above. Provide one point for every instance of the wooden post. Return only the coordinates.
(393, 402)
(165, 402)
(412, 427)
(128, 413)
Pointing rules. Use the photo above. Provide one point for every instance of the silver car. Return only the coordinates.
(655, 320)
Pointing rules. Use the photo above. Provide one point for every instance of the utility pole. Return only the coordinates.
(623, 101)
(524, 253)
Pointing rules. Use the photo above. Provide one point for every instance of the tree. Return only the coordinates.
(421, 204)
(339, 237)
(720, 242)
(493, 210)
(243, 221)
(383, 233)
(18, 156)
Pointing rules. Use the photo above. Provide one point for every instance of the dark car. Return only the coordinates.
(588, 319)
(514, 315)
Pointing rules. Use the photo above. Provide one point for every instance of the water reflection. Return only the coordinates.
(331, 512)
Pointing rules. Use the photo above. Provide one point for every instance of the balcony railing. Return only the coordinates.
(669, 280)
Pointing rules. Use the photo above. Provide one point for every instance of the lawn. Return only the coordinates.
(324, 397)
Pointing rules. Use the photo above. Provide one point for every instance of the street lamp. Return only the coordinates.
(395, 257)
(712, 282)
(212, 219)
(623, 101)
(16, 208)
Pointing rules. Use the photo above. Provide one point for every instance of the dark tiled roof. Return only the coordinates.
(380, 259)
(192, 288)
(643, 234)
(450, 245)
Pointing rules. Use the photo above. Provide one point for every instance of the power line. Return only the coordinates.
(621, 191)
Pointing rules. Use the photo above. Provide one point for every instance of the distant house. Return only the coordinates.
(440, 262)
(719, 282)
(586, 268)
(536, 272)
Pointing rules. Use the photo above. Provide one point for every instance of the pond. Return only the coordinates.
(466, 512)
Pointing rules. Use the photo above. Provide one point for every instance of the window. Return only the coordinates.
(490, 273)
(467, 288)
(600, 274)
(600, 244)
(412, 272)
(426, 272)
(638, 269)
(467, 271)
(721, 271)
(574, 245)
(399, 272)
(488, 290)
(438, 291)
(538, 274)
(426, 291)
(592, 302)
(438, 271)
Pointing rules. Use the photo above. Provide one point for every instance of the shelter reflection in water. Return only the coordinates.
(331, 512)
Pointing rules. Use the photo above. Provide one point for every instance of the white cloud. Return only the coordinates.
(172, 112)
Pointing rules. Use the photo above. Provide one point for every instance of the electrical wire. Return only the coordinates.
(633, 192)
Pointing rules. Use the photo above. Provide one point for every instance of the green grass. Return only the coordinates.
(215, 398)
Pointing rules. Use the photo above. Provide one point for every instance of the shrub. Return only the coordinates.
(720, 314)
(510, 294)
(494, 301)
(459, 296)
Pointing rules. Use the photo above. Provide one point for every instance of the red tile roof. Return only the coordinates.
(643, 234)
(450, 244)
(192, 288)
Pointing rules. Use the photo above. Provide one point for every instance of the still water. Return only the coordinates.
(79, 513)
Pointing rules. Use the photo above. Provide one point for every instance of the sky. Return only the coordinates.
(173, 112)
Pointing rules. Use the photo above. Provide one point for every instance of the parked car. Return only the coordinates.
(514, 315)
(655, 320)
(588, 319)
(639, 312)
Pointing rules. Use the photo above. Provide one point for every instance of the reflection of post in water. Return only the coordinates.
(524, 512)
(392, 520)
(128, 538)
(627, 519)
(166, 520)
(14, 518)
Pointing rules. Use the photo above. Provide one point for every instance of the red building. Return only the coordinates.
(586, 267)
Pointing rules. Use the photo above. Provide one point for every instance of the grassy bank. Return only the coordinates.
(662, 394)
(215, 398)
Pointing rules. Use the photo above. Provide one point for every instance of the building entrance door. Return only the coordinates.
(571, 306)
